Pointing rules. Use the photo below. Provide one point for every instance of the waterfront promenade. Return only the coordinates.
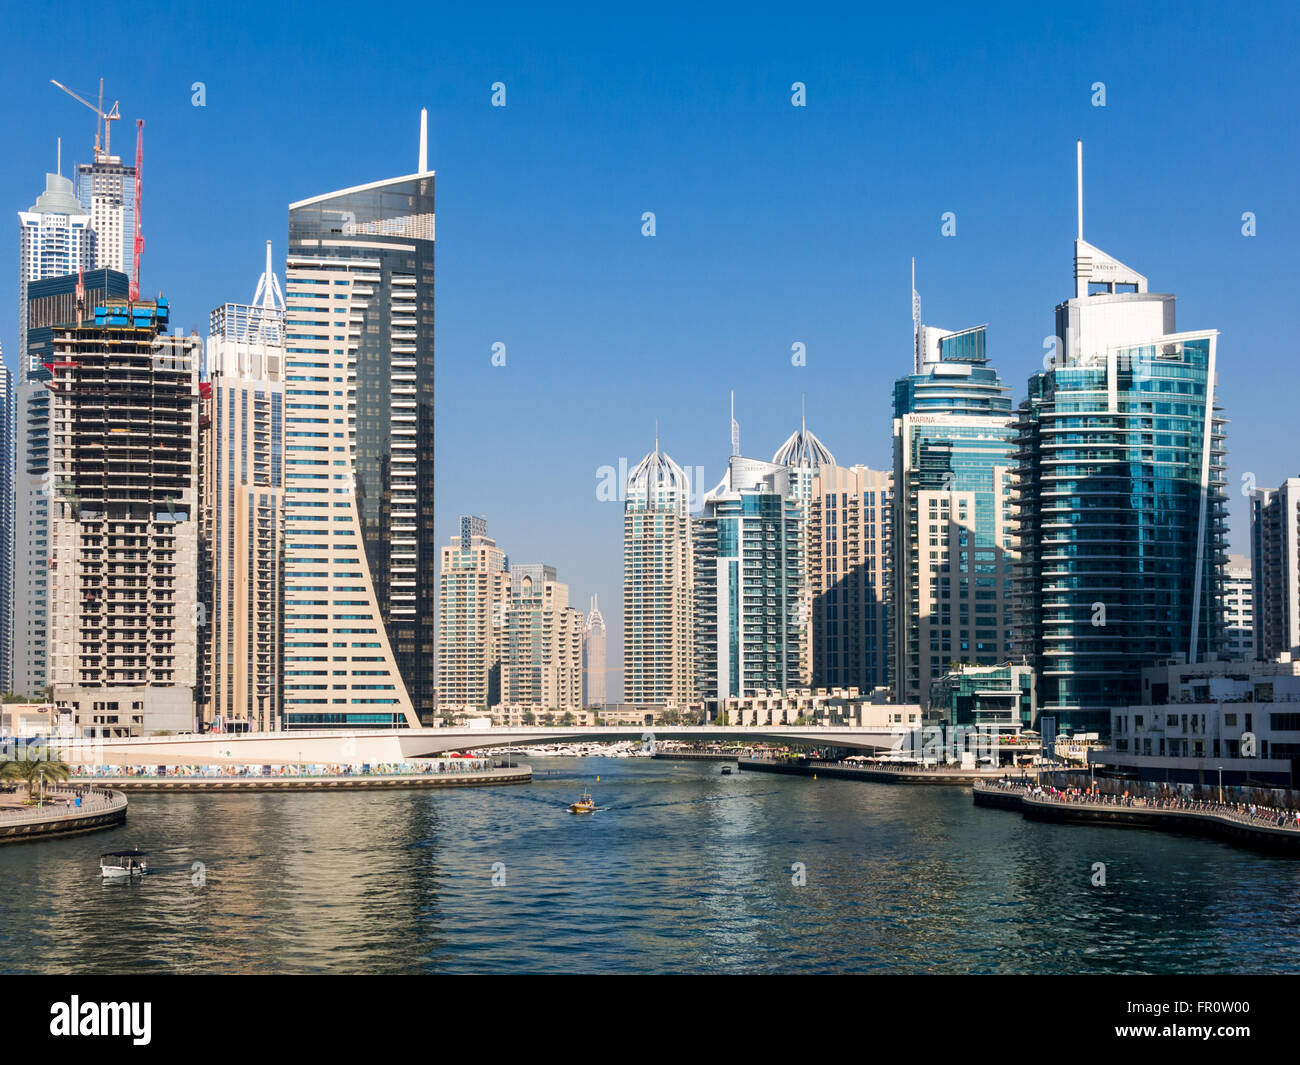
(1245, 824)
(442, 773)
(878, 774)
(60, 814)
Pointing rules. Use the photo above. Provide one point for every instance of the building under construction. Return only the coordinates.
(124, 551)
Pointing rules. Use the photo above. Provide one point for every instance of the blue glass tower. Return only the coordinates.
(1121, 501)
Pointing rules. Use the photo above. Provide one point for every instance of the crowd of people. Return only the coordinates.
(1161, 798)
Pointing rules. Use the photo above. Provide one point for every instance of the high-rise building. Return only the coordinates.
(750, 634)
(241, 576)
(803, 455)
(1121, 508)
(361, 569)
(55, 239)
(541, 657)
(1275, 565)
(593, 657)
(124, 554)
(473, 595)
(50, 304)
(849, 563)
(7, 438)
(954, 442)
(106, 191)
(1238, 610)
(658, 646)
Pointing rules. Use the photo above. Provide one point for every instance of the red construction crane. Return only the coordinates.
(138, 243)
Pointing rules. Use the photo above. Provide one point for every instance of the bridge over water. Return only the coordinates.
(375, 746)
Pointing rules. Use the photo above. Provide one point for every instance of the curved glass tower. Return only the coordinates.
(361, 572)
(1121, 506)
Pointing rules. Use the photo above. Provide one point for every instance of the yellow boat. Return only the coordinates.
(584, 805)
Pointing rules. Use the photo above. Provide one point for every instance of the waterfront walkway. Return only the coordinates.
(1249, 824)
(60, 814)
(440, 773)
(880, 773)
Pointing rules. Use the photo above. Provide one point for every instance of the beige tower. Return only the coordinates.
(243, 513)
(473, 595)
(658, 601)
(848, 571)
(541, 662)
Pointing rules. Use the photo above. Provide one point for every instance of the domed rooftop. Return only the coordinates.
(803, 449)
(656, 471)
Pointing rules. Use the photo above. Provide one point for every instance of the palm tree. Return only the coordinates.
(34, 771)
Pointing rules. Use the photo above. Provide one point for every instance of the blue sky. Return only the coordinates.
(775, 224)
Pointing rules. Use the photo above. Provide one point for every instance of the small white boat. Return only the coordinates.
(116, 864)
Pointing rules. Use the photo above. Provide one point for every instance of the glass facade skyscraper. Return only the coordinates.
(1121, 502)
(954, 442)
(748, 545)
(361, 566)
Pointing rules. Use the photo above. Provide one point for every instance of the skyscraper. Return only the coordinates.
(1121, 509)
(750, 634)
(242, 512)
(7, 420)
(50, 304)
(954, 442)
(474, 592)
(106, 190)
(361, 568)
(593, 657)
(541, 656)
(658, 656)
(124, 529)
(55, 239)
(1275, 564)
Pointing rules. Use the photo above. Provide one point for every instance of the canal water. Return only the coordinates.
(682, 869)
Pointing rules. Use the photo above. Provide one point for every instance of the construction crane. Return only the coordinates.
(101, 117)
(138, 241)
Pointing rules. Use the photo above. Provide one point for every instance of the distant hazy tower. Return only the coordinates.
(242, 514)
(361, 559)
(593, 657)
(658, 641)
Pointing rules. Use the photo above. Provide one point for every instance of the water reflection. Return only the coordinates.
(681, 870)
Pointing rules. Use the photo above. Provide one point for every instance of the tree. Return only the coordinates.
(568, 718)
(530, 718)
(32, 771)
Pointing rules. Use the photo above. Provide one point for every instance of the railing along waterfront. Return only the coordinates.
(1248, 814)
(93, 801)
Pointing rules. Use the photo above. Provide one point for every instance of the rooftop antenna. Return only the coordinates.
(735, 426)
(424, 140)
(803, 415)
(269, 294)
(1078, 146)
(916, 321)
(59, 164)
(656, 436)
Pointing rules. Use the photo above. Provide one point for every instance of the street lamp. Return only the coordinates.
(1220, 785)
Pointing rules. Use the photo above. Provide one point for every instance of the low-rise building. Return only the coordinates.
(813, 706)
(1004, 697)
(1238, 719)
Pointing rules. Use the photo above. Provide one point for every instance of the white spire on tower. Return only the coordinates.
(424, 140)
